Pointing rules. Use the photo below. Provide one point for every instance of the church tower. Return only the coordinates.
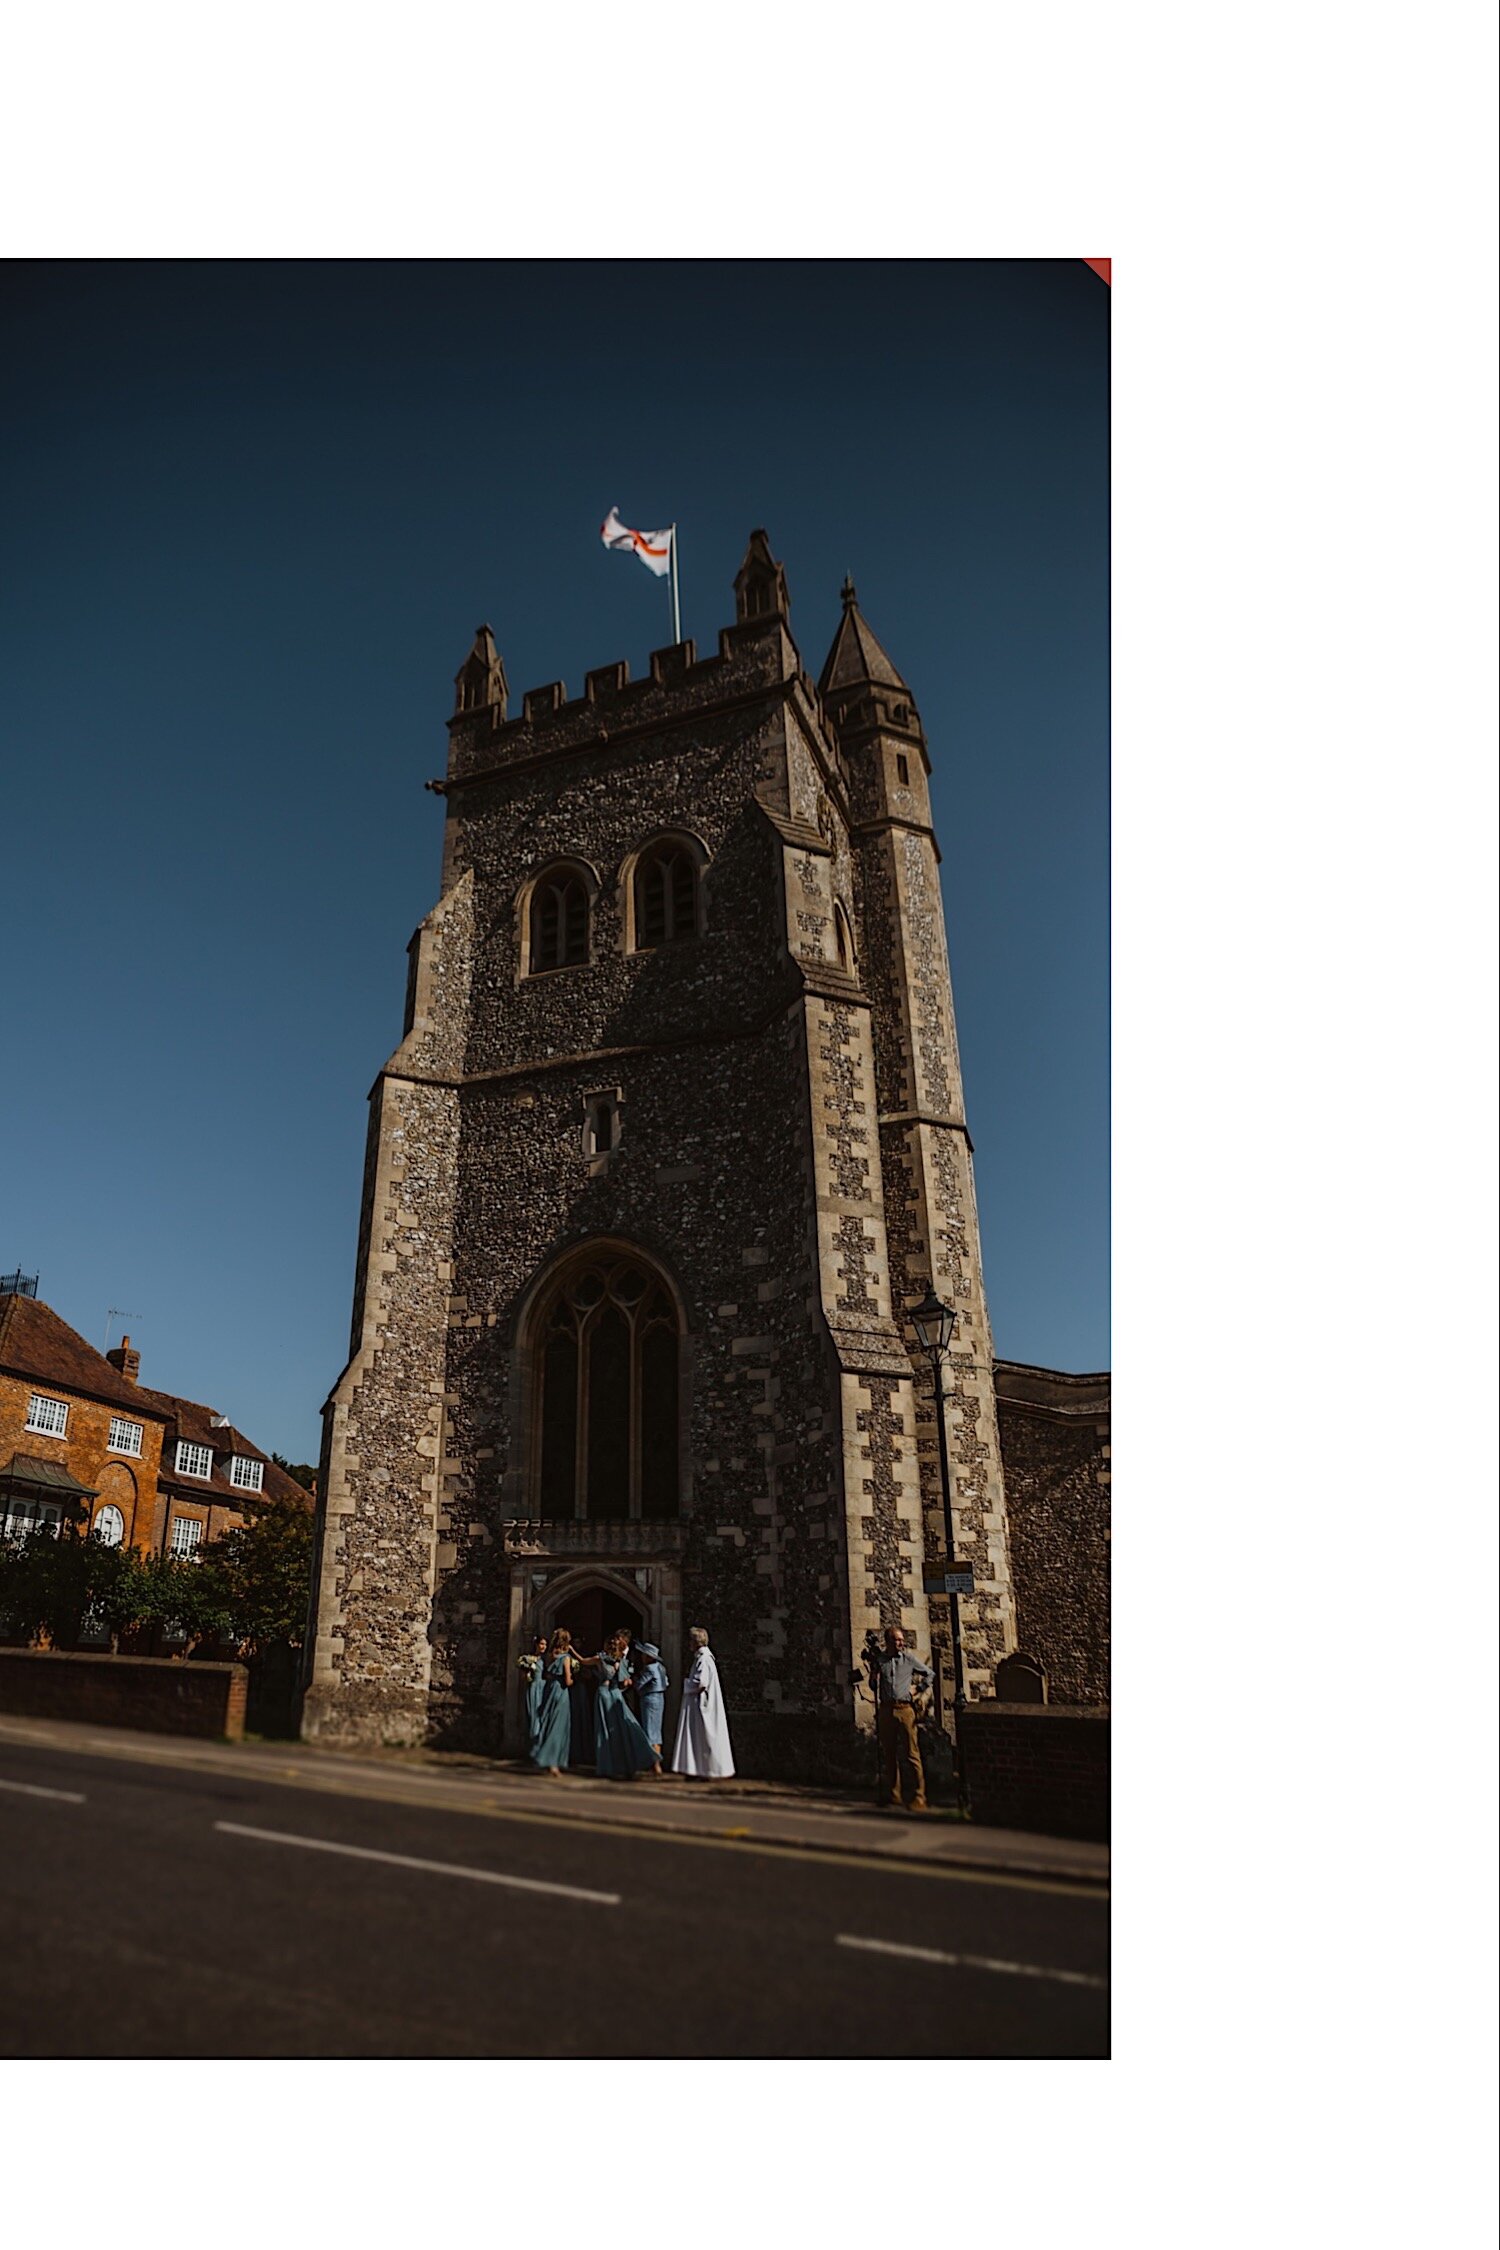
(673, 1141)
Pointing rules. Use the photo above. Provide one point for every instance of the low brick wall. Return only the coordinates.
(160, 1694)
(1039, 1766)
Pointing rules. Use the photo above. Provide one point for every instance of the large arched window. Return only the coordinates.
(606, 1404)
(666, 893)
(558, 933)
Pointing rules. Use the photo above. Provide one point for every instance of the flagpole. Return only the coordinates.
(676, 612)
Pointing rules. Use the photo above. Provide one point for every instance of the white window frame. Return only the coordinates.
(22, 1517)
(109, 1508)
(37, 1424)
(125, 1436)
(186, 1537)
(186, 1448)
(254, 1477)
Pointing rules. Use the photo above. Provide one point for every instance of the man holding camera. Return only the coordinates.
(898, 1678)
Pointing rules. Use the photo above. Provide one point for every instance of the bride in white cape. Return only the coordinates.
(702, 1746)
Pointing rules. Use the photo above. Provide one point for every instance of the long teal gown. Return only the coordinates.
(554, 1717)
(621, 1744)
(533, 1669)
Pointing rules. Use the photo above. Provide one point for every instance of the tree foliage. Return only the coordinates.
(249, 1588)
(263, 1574)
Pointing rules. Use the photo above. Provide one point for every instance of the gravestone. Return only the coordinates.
(1020, 1679)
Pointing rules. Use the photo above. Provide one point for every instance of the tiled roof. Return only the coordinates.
(45, 1476)
(202, 1425)
(35, 1343)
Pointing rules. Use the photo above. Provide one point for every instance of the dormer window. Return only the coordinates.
(194, 1460)
(246, 1475)
(559, 923)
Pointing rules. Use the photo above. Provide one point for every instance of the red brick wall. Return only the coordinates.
(158, 1694)
(1039, 1767)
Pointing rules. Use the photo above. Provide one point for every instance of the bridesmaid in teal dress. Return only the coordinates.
(533, 1672)
(622, 1747)
(554, 1718)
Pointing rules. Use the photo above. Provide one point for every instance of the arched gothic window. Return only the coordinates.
(666, 894)
(606, 1407)
(843, 936)
(559, 934)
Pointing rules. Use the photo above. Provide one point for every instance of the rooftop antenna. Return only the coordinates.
(115, 1314)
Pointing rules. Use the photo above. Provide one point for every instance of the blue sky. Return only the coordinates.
(252, 515)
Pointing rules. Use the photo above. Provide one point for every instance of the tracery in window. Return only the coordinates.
(606, 1407)
(666, 894)
(559, 931)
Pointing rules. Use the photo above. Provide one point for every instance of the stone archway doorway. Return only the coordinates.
(591, 1615)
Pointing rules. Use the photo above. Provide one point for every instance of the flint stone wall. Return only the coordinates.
(1055, 1431)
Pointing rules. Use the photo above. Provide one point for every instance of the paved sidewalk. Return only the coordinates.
(744, 1811)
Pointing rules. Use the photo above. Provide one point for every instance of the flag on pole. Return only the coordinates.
(653, 547)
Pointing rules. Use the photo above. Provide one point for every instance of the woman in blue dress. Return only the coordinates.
(532, 1668)
(651, 1685)
(549, 1749)
(622, 1748)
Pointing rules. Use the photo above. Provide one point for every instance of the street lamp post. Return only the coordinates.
(933, 1322)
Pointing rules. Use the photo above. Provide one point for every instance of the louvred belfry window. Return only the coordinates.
(606, 1414)
(666, 895)
(559, 921)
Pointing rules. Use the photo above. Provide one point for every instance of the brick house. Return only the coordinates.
(83, 1440)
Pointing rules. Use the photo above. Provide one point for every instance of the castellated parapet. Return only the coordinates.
(673, 1140)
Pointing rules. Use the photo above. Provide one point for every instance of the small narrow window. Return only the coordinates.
(843, 936)
(903, 770)
(601, 1125)
(559, 921)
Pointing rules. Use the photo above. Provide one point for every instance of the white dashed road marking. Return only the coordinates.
(424, 1866)
(971, 1961)
(30, 1789)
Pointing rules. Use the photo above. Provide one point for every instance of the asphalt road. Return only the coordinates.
(158, 1911)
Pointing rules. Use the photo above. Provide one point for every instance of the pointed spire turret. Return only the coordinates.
(480, 680)
(760, 585)
(856, 658)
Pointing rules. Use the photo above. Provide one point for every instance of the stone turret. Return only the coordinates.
(926, 1160)
(479, 684)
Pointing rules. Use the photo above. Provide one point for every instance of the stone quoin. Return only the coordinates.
(672, 1142)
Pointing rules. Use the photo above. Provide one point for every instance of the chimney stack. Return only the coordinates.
(125, 1361)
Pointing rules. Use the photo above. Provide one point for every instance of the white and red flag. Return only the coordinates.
(653, 547)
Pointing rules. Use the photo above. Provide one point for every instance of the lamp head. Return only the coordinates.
(933, 1322)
